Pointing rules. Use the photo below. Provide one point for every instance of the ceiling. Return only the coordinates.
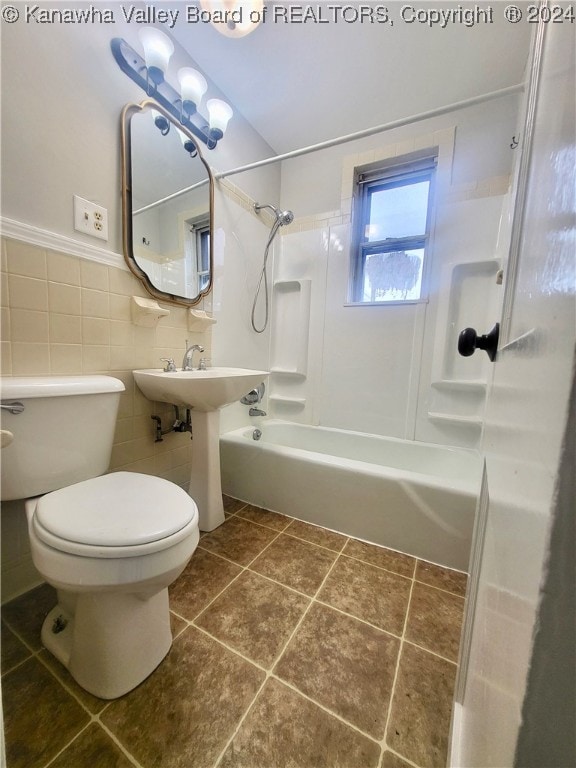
(301, 82)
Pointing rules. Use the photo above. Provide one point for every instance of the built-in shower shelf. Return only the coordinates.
(448, 418)
(289, 285)
(292, 323)
(466, 385)
(287, 372)
(295, 402)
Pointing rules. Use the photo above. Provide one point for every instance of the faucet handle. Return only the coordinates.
(170, 366)
(250, 398)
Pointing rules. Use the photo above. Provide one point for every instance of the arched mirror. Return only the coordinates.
(167, 202)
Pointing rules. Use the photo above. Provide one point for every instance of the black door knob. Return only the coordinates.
(469, 342)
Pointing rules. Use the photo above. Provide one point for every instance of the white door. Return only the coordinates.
(525, 418)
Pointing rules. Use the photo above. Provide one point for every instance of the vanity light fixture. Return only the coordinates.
(149, 73)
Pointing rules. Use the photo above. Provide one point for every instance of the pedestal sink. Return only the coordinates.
(204, 392)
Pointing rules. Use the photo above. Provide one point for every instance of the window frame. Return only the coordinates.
(389, 174)
(197, 236)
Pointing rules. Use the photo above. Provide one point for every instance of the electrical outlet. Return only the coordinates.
(90, 218)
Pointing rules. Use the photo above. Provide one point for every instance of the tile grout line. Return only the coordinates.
(94, 716)
(192, 622)
(117, 741)
(324, 708)
(339, 554)
(31, 655)
(234, 562)
(415, 558)
(384, 743)
(269, 673)
(247, 567)
(95, 720)
(403, 758)
(355, 557)
(65, 747)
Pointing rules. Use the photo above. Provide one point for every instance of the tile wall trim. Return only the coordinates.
(26, 233)
(238, 196)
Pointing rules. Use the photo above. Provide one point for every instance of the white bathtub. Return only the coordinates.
(413, 497)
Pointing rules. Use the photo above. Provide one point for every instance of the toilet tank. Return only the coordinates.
(63, 435)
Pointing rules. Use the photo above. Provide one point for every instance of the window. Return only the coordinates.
(198, 253)
(203, 255)
(391, 231)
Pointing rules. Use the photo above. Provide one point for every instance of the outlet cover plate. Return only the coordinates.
(90, 218)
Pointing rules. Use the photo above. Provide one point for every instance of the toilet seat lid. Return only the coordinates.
(122, 509)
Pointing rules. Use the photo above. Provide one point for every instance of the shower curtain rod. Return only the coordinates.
(171, 197)
(376, 129)
(343, 139)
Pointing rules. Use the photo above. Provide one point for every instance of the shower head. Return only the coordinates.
(282, 217)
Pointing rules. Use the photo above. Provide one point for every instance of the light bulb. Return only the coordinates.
(232, 18)
(157, 51)
(188, 144)
(161, 122)
(192, 87)
(219, 113)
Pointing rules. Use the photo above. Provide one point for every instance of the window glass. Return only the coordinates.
(391, 232)
(393, 276)
(398, 210)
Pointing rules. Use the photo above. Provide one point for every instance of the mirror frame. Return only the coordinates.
(127, 239)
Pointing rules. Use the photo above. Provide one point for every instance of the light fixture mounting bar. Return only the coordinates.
(133, 65)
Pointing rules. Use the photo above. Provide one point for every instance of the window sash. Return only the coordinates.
(388, 178)
(401, 170)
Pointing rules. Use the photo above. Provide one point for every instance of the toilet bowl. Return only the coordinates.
(110, 544)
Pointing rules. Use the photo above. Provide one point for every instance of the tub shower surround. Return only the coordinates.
(389, 369)
(264, 670)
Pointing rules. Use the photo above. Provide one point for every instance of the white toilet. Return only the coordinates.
(110, 544)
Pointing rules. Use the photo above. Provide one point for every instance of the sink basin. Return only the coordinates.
(205, 392)
(201, 390)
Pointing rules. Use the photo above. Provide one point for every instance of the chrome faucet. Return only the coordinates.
(189, 354)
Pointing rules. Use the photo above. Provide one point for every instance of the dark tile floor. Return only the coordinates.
(294, 646)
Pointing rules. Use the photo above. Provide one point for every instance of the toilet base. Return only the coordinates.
(109, 642)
